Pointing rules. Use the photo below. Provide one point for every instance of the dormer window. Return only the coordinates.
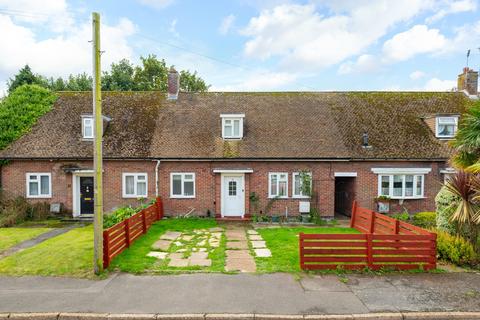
(232, 126)
(87, 127)
(446, 127)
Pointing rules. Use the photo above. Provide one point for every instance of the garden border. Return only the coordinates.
(119, 236)
(384, 242)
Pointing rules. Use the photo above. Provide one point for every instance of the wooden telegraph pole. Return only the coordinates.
(97, 148)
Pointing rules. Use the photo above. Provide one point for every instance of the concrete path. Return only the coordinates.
(33, 242)
(243, 293)
(238, 254)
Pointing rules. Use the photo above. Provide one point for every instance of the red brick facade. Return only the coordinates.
(207, 183)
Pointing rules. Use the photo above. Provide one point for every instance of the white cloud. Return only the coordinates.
(419, 39)
(66, 53)
(53, 13)
(364, 64)
(305, 38)
(157, 4)
(415, 75)
(227, 24)
(173, 28)
(259, 81)
(452, 7)
(436, 84)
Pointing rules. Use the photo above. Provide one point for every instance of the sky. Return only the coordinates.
(248, 45)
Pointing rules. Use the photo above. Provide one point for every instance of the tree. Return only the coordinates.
(25, 76)
(21, 109)
(151, 75)
(120, 77)
(191, 82)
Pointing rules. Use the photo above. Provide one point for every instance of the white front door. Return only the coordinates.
(233, 196)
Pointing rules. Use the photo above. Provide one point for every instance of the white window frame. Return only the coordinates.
(135, 185)
(39, 175)
(444, 118)
(232, 118)
(403, 196)
(270, 195)
(182, 195)
(299, 196)
(84, 119)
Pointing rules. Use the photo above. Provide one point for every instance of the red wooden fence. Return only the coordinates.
(384, 243)
(119, 237)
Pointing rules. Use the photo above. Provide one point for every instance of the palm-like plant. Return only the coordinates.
(467, 141)
(466, 186)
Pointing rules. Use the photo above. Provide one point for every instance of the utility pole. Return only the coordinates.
(97, 148)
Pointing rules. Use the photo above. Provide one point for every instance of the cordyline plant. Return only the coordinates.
(466, 186)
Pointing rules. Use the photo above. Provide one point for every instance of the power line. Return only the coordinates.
(140, 35)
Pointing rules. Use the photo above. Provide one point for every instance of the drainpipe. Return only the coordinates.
(156, 178)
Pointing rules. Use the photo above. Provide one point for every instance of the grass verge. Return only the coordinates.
(68, 254)
(10, 237)
(283, 243)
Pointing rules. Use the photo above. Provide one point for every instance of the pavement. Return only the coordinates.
(277, 293)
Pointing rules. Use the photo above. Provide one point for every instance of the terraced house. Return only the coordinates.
(210, 153)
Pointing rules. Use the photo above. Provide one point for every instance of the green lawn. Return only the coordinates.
(68, 254)
(135, 258)
(283, 243)
(12, 236)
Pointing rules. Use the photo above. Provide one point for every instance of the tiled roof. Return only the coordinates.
(276, 125)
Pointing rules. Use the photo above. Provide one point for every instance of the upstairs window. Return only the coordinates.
(232, 126)
(39, 185)
(87, 127)
(278, 185)
(446, 127)
(135, 185)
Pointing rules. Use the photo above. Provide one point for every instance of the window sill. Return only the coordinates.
(278, 198)
(182, 197)
(39, 197)
(301, 197)
(134, 197)
(407, 198)
(232, 139)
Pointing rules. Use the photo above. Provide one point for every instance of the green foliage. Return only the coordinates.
(191, 82)
(14, 211)
(25, 76)
(254, 201)
(445, 203)
(455, 249)
(404, 216)
(21, 109)
(425, 219)
(382, 198)
(467, 139)
(315, 217)
(151, 75)
(120, 77)
(306, 182)
(119, 215)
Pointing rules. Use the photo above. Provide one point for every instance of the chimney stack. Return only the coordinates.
(173, 84)
(468, 81)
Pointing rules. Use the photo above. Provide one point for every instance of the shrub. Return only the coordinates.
(13, 211)
(404, 216)
(425, 219)
(119, 215)
(445, 203)
(455, 249)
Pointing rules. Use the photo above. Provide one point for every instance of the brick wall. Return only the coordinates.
(207, 186)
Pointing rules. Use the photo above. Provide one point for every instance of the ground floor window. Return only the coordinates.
(298, 190)
(135, 185)
(39, 185)
(401, 186)
(182, 185)
(278, 185)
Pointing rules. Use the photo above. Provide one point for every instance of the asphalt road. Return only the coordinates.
(243, 293)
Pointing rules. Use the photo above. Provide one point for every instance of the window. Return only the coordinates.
(278, 185)
(297, 185)
(135, 185)
(39, 185)
(232, 188)
(401, 186)
(446, 127)
(87, 127)
(232, 126)
(182, 185)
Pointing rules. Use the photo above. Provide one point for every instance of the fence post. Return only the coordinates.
(372, 222)
(106, 249)
(144, 221)
(301, 240)
(397, 226)
(354, 211)
(127, 232)
(159, 206)
(434, 238)
(369, 250)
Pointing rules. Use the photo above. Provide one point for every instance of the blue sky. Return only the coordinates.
(247, 45)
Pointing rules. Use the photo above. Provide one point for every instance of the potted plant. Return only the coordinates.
(383, 204)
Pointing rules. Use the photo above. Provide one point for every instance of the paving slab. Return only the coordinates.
(236, 234)
(258, 244)
(240, 260)
(255, 237)
(199, 255)
(216, 229)
(263, 253)
(162, 245)
(200, 262)
(170, 235)
(252, 232)
(237, 245)
(158, 255)
(177, 260)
